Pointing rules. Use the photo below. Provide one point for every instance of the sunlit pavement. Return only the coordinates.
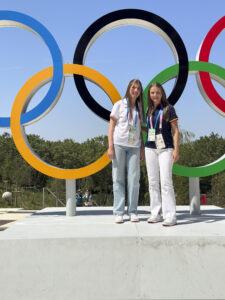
(9, 216)
(99, 221)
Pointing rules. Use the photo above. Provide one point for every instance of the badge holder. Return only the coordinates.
(157, 138)
(159, 141)
(151, 135)
(132, 134)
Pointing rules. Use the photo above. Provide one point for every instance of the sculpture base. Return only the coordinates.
(50, 256)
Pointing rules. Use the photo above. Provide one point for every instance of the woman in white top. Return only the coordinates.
(126, 149)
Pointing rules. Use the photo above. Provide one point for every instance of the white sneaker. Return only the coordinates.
(119, 219)
(134, 218)
(154, 219)
(169, 222)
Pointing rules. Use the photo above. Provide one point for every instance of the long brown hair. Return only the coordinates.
(139, 100)
(164, 101)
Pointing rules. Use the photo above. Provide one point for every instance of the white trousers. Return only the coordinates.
(160, 162)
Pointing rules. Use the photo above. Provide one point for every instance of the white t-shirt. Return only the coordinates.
(121, 132)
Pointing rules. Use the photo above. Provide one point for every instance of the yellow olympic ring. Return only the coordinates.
(19, 135)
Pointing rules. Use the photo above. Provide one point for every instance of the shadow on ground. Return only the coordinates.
(183, 216)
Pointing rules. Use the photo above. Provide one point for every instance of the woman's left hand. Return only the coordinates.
(175, 155)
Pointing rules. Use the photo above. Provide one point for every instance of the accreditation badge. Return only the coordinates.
(151, 135)
(159, 141)
(132, 134)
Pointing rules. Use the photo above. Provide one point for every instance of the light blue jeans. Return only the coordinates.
(126, 157)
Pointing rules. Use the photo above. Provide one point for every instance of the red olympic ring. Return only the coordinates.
(204, 52)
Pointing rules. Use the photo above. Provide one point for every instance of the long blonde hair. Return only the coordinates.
(164, 101)
(139, 101)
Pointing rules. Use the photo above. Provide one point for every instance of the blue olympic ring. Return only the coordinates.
(58, 79)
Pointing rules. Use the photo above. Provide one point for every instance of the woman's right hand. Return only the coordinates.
(110, 153)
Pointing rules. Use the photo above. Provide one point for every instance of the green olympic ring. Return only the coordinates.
(217, 73)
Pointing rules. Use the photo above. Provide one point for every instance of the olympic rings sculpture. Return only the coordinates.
(18, 133)
(131, 17)
(15, 19)
(202, 68)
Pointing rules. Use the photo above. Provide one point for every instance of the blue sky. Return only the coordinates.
(120, 54)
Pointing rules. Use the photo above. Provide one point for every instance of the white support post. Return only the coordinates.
(194, 195)
(70, 197)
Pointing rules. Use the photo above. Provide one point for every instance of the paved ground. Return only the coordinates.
(9, 216)
(99, 222)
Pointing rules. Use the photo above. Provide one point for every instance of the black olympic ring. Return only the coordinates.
(130, 17)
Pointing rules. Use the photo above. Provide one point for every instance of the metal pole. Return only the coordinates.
(194, 195)
(70, 197)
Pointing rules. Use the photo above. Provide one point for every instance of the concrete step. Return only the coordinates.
(50, 256)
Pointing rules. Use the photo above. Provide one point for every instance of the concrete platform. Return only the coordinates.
(50, 256)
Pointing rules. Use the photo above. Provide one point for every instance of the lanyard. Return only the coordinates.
(136, 114)
(160, 121)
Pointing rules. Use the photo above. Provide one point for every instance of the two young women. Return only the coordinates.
(126, 149)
